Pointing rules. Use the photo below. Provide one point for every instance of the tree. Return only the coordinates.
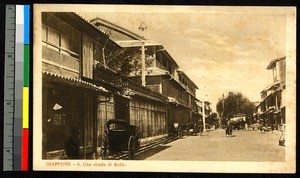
(127, 61)
(235, 103)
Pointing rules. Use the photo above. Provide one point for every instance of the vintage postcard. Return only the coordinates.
(164, 88)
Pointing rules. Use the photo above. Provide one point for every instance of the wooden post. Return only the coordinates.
(203, 109)
(143, 64)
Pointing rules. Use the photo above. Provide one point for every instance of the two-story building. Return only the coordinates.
(70, 98)
(162, 73)
(147, 108)
(271, 109)
(81, 91)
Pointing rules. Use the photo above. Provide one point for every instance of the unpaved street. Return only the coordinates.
(215, 146)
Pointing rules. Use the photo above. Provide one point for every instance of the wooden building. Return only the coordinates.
(139, 105)
(71, 98)
(271, 109)
(81, 91)
(162, 76)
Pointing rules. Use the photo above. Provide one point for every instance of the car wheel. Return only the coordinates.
(131, 147)
(138, 141)
(104, 149)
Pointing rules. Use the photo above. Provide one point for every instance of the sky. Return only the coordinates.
(220, 52)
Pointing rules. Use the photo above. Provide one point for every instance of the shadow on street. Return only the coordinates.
(151, 152)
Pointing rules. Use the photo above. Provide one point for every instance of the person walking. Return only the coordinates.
(229, 128)
(72, 145)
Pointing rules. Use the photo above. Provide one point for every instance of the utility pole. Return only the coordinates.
(223, 103)
(143, 64)
(143, 27)
(203, 109)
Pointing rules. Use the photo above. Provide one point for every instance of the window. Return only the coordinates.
(60, 36)
(53, 37)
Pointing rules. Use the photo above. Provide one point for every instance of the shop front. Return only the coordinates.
(69, 104)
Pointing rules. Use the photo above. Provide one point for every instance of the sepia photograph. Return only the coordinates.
(164, 88)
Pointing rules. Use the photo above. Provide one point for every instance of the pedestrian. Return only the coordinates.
(72, 144)
(227, 128)
(230, 128)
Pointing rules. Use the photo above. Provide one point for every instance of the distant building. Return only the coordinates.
(207, 109)
(271, 109)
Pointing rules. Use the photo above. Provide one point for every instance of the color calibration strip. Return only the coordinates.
(15, 157)
(25, 131)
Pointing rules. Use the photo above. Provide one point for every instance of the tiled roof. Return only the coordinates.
(73, 82)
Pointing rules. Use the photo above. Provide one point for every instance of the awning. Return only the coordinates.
(137, 93)
(72, 82)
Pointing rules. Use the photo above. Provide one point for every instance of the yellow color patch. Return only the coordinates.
(25, 107)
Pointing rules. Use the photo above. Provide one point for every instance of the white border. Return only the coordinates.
(171, 166)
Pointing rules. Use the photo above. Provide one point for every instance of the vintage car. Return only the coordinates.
(120, 137)
(192, 128)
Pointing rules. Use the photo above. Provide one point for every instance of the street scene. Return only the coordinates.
(159, 86)
(215, 146)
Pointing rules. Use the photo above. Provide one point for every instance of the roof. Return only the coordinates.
(165, 52)
(99, 22)
(84, 26)
(273, 62)
(127, 38)
(73, 82)
(180, 72)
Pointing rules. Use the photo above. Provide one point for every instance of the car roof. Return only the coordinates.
(111, 121)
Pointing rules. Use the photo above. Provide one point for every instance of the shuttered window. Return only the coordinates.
(88, 57)
(60, 36)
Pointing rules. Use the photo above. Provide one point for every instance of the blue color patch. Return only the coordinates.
(26, 23)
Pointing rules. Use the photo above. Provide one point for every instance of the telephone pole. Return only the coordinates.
(143, 27)
(223, 103)
(203, 109)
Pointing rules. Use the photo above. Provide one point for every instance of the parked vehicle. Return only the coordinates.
(120, 136)
(175, 130)
(193, 128)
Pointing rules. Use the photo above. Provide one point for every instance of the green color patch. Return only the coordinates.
(26, 66)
